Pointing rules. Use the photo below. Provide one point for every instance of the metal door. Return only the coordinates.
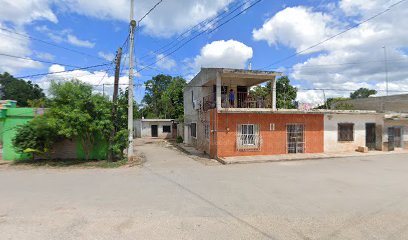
(155, 131)
(397, 137)
(370, 136)
(391, 140)
(295, 135)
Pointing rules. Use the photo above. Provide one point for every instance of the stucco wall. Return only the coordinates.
(403, 124)
(272, 141)
(395, 103)
(143, 129)
(331, 121)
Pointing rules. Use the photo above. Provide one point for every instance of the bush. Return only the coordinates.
(36, 137)
(179, 139)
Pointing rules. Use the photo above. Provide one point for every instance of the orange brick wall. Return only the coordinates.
(273, 142)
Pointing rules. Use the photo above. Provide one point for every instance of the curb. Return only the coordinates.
(297, 159)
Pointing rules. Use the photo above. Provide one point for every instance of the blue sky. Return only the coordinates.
(266, 33)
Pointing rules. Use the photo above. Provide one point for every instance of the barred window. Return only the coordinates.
(194, 130)
(345, 132)
(207, 131)
(166, 129)
(248, 137)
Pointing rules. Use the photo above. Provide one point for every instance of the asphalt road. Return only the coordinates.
(175, 197)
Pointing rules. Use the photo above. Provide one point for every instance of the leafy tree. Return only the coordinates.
(336, 103)
(285, 93)
(164, 97)
(36, 137)
(172, 99)
(362, 93)
(154, 90)
(76, 113)
(19, 90)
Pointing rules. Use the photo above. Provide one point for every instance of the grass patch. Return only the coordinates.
(70, 163)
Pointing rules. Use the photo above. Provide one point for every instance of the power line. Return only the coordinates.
(199, 34)
(334, 36)
(182, 36)
(151, 9)
(50, 43)
(65, 71)
(36, 60)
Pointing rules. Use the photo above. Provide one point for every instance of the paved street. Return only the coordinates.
(176, 197)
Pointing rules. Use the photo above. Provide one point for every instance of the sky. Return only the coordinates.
(272, 35)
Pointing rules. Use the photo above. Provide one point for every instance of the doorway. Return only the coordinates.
(371, 136)
(391, 139)
(397, 137)
(296, 139)
(155, 132)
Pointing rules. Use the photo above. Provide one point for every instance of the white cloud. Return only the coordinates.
(166, 63)
(9, 44)
(106, 56)
(296, 27)
(100, 80)
(351, 60)
(78, 42)
(22, 12)
(169, 18)
(223, 54)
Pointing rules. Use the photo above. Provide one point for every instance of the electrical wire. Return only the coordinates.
(186, 33)
(36, 60)
(65, 71)
(50, 43)
(151, 9)
(334, 36)
(201, 33)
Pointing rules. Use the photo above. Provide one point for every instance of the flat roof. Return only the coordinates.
(295, 111)
(155, 120)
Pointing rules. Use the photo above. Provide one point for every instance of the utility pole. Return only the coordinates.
(130, 88)
(386, 69)
(115, 102)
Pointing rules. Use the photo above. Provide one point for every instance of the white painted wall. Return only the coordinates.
(331, 121)
(143, 128)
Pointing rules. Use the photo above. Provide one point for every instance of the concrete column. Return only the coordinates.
(273, 86)
(218, 92)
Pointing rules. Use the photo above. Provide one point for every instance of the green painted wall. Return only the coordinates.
(15, 117)
(99, 151)
(12, 117)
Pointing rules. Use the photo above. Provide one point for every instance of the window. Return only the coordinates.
(346, 132)
(167, 129)
(207, 131)
(194, 130)
(248, 137)
(295, 138)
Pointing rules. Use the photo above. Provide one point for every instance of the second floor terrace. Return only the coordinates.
(233, 89)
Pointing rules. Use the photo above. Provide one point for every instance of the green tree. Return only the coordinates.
(79, 114)
(362, 93)
(37, 137)
(154, 90)
(19, 90)
(172, 99)
(336, 103)
(285, 93)
(164, 97)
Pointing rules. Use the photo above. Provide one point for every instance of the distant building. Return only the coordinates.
(394, 103)
(155, 128)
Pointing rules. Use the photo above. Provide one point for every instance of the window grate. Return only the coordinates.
(248, 137)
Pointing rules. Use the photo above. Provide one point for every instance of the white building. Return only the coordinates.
(155, 128)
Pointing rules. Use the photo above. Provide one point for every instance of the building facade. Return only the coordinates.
(155, 128)
(223, 118)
